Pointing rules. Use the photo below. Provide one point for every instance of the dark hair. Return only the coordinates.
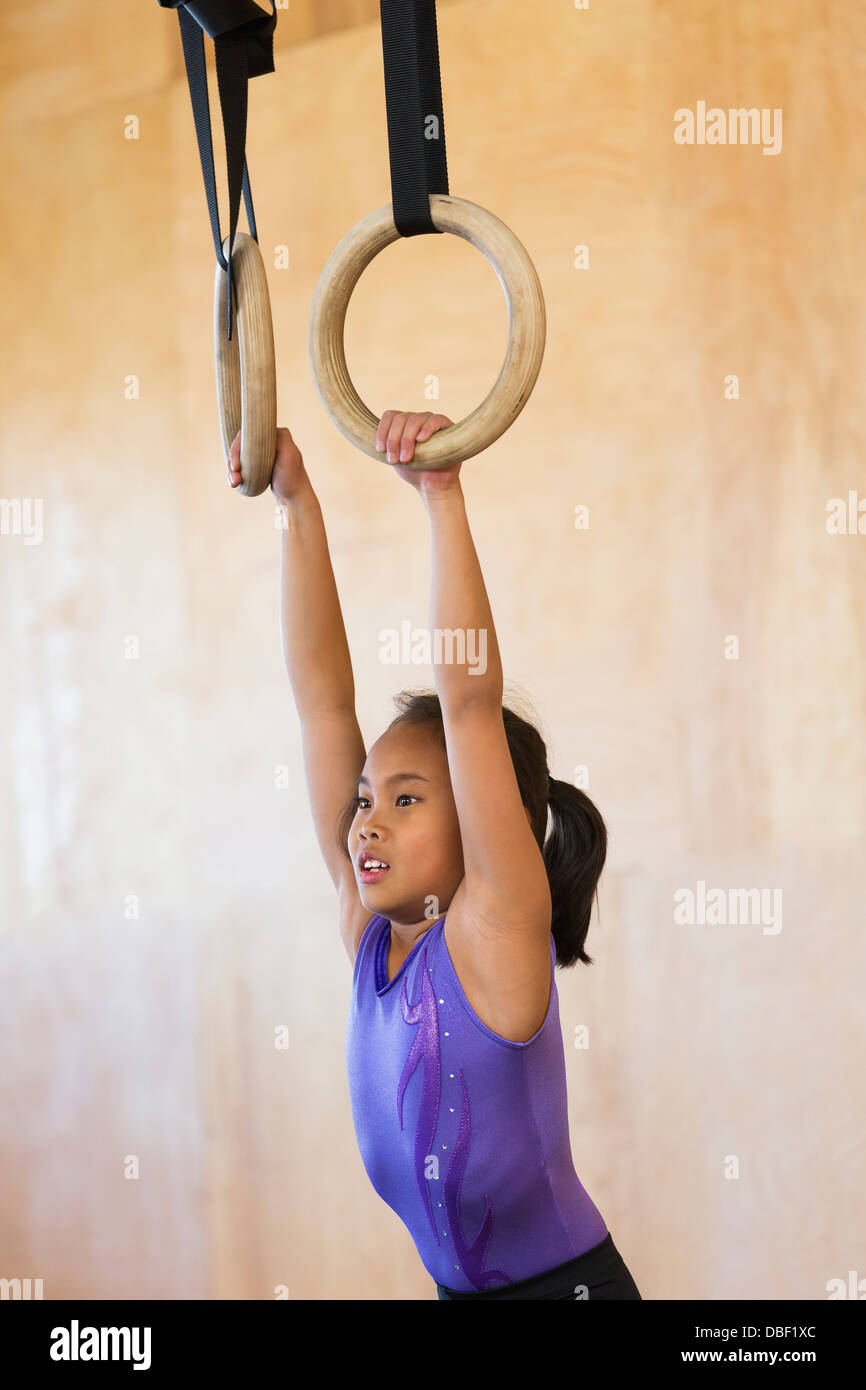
(574, 852)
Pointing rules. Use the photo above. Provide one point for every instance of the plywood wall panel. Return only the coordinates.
(164, 909)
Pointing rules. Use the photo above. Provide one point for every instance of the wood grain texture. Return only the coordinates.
(246, 373)
(163, 907)
(526, 331)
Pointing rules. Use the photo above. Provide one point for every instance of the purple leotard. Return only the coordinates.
(462, 1132)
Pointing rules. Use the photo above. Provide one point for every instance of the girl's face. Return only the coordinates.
(409, 822)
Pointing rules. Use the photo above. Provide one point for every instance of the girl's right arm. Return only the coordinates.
(319, 667)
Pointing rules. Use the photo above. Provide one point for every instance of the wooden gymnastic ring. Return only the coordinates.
(526, 331)
(246, 372)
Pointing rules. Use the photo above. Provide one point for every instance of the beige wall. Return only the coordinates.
(152, 784)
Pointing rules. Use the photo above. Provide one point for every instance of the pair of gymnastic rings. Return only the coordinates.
(421, 203)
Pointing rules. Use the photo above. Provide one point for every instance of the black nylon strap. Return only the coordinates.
(244, 48)
(413, 94)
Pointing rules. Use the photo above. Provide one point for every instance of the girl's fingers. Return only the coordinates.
(398, 432)
(233, 462)
(382, 431)
(433, 423)
(395, 434)
(412, 431)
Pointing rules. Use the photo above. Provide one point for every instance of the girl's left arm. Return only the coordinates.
(468, 670)
(506, 884)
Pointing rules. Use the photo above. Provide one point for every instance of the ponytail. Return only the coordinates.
(574, 855)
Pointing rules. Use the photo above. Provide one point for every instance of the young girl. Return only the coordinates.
(454, 910)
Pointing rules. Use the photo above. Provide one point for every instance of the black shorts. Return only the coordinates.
(598, 1273)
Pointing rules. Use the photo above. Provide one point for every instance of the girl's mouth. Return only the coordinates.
(372, 875)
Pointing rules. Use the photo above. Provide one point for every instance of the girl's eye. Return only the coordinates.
(359, 800)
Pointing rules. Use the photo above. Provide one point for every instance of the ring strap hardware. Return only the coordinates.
(416, 122)
(243, 39)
